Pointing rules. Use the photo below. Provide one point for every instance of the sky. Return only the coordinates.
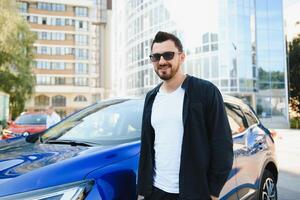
(291, 12)
(195, 17)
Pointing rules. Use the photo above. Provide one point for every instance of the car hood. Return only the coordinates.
(28, 166)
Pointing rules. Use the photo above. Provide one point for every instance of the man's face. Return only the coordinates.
(167, 68)
(49, 111)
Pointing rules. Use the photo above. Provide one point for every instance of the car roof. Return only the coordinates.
(33, 113)
(232, 99)
(227, 98)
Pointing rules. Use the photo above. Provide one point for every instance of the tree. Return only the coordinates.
(294, 75)
(16, 57)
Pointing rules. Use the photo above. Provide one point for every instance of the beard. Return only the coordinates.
(166, 72)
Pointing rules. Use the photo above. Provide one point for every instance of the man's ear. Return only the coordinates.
(182, 57)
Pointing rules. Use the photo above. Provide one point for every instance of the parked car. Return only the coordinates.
(25, 123)
(94, 153)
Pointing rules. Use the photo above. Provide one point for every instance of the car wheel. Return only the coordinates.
(268, 188)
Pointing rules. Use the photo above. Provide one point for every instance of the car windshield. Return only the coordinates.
(106, 123)
(31, 119)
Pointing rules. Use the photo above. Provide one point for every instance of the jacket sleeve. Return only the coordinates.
(220, 138)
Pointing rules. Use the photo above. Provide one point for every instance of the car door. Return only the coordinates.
(247, 144)
(252, 163)
(238, 126)
(229, 191)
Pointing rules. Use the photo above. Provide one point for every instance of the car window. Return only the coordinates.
(235, 118)
(112, 123)
(34, 119)
(251, 119)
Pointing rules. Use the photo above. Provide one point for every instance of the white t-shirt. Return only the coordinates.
(167, 122)
(52, 119)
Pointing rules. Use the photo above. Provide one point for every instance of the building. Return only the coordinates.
(69, 63)
(239, 46)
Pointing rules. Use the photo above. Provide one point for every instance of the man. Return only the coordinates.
(186, 144)
(52, 117)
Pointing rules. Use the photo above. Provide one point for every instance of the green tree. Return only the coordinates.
(16, 57)
(294, 75)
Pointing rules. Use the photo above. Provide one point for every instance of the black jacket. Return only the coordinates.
(206, 155)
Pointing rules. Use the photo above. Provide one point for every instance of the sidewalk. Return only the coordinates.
(288, 157)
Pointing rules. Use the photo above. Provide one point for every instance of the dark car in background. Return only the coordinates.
(28, 123)
(94, 153)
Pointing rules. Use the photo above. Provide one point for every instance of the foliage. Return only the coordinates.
(294, 83)
(295, 123)
(16, 45)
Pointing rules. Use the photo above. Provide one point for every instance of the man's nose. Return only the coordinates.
(161, 60)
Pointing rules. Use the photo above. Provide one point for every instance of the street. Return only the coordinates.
(288, 156)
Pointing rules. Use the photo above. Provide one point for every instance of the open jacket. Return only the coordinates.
(206, 155)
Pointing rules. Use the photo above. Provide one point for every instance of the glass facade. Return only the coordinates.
(271, 62)
(238, 45)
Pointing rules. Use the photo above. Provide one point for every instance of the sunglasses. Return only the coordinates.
(169, 55)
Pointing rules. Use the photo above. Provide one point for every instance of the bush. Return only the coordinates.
(295, 123)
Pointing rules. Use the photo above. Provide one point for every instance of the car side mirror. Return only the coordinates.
(25, 134)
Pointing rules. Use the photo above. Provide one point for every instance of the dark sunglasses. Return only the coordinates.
(169, 55)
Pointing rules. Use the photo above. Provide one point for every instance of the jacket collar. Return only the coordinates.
(184, 85)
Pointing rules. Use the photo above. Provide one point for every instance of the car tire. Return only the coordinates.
(268, 188)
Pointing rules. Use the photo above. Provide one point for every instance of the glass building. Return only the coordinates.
(236, 44)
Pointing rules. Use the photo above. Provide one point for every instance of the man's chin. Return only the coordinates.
(165, 77)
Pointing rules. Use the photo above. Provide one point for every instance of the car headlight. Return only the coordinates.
(73, 191)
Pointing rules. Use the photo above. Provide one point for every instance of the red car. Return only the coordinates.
(27, 122)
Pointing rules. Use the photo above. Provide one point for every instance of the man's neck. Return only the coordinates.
(172, 84)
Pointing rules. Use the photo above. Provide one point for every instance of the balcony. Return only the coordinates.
(54, 57)
(53, 71)
(56, 42)
(65, 88)
(53, 13)
(53, 28)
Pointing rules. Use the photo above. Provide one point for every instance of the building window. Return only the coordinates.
(81, 39)
(81, 12)
(214, 37)
(43, 80)
(44, 20)
(205, 48)
(81, 81)
(81, 68)
(41, 100)
(59, 101)
(214, 47)
(80, 98)
(60, 80)
(43, 65)
(58, 65)
(81, 54)
(205, 38)
(23, 7)
(51, 6)
(80, 24)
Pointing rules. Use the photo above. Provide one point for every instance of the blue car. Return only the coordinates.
(94, 153)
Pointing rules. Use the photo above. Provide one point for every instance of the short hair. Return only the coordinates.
(164, 36)
(50, 107)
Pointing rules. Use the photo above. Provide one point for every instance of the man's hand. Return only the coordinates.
(214, 198)
(140, 197)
